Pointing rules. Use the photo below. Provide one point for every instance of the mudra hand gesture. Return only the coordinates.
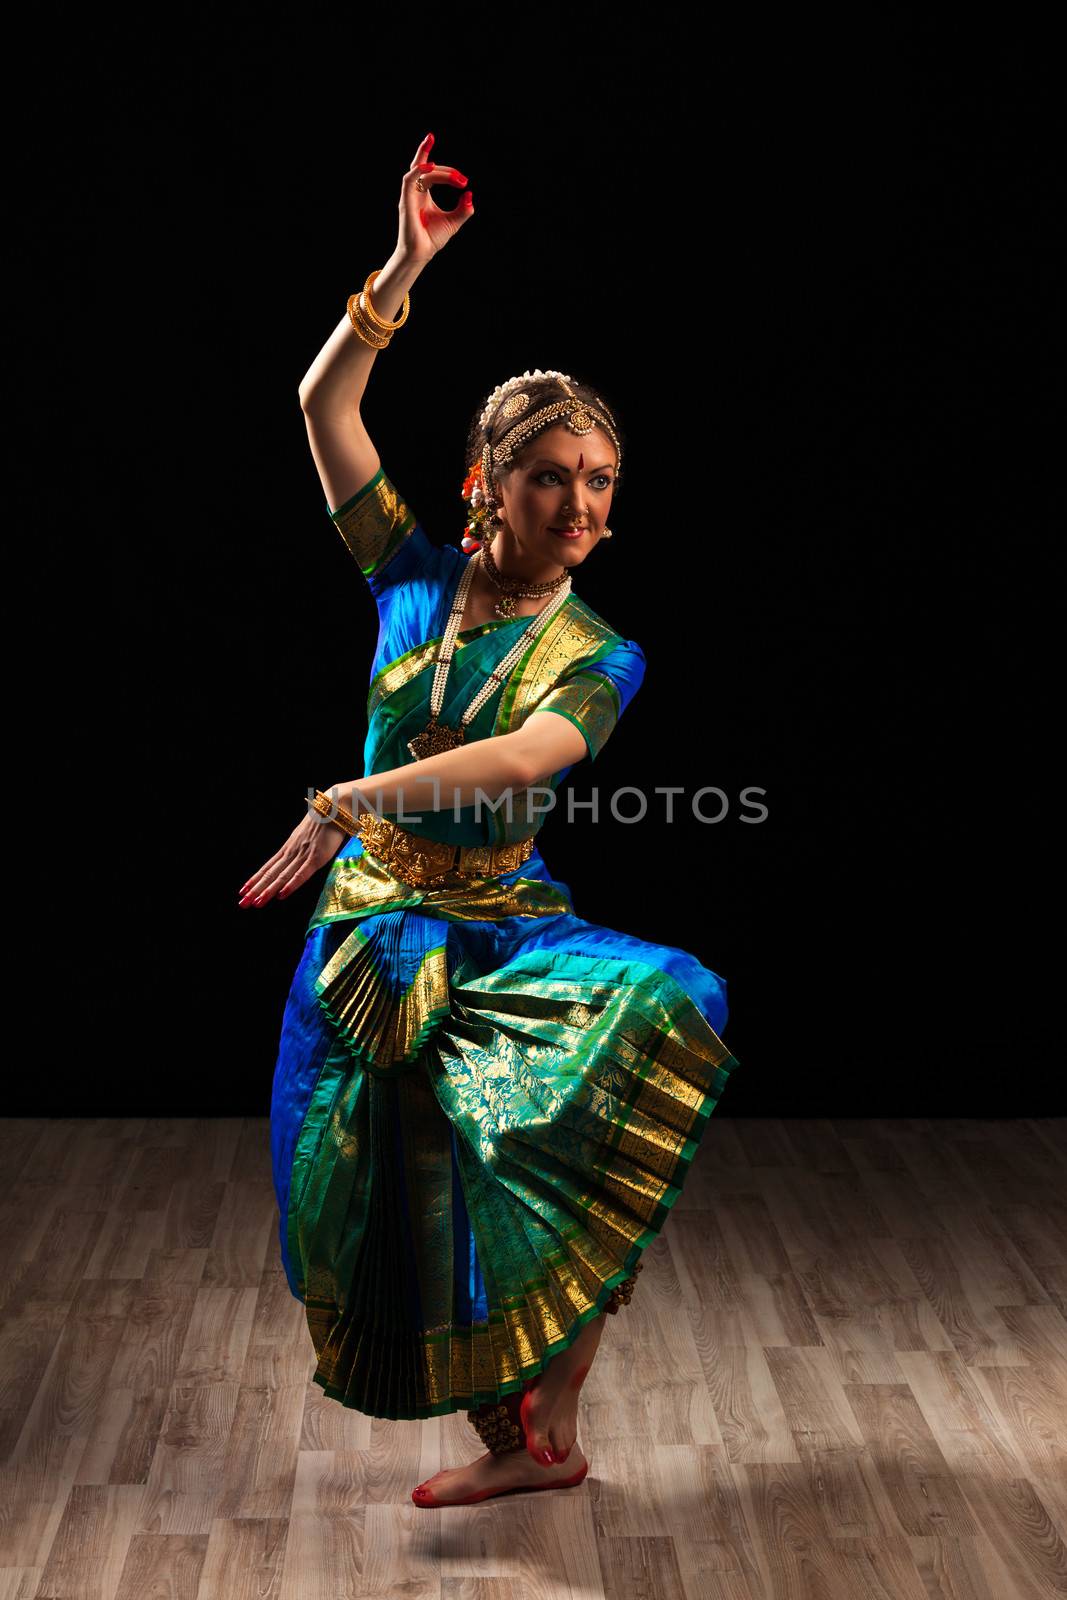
(424, 227)
(424, 230)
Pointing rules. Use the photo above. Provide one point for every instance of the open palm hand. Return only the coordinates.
(312, 843)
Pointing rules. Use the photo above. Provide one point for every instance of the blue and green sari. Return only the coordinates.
(484, 1107)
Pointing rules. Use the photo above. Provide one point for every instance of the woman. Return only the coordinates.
(484, 1106)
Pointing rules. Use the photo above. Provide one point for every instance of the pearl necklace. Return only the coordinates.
(438, 736)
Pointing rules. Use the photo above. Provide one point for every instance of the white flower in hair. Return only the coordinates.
(504, 389)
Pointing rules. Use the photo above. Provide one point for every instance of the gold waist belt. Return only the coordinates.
(421, 861)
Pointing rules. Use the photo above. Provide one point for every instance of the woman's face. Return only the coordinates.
(560, 481)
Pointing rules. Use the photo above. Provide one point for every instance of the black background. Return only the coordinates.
(804, 270)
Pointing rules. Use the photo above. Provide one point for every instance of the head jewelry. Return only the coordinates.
(509, 404)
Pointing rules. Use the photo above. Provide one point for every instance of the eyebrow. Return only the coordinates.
(549, 461)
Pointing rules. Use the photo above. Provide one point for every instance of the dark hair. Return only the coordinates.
(542, 391)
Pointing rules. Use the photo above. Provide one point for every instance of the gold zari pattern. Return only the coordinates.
(358, 884)
(421, 860)
(474, 1155)
(590, 700)
(374, 524)
(574, 635)
(382, 1029)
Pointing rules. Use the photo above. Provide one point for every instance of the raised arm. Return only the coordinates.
(332, 389)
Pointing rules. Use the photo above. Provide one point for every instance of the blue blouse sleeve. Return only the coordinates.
(382, 534)
(594, 697)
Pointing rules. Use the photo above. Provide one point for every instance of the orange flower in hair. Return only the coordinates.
(474, 494)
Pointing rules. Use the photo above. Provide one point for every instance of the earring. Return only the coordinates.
(607, 534)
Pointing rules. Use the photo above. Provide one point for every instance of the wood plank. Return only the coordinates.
(843, 1373)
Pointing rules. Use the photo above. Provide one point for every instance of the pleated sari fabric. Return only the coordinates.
(484, 1106)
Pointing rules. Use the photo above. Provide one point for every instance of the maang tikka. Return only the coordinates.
(578, 416)
(479, 490)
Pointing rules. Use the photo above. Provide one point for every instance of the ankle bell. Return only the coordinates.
(496, 1426)
(620, 1295)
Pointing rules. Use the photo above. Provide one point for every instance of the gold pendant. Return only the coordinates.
(505, 606)
(435, 737)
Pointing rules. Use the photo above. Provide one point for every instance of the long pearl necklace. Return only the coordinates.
(437, 736)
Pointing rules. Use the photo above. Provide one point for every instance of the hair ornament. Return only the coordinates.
(506, 404)
(512, 384)
(474, 494)
(514, 404)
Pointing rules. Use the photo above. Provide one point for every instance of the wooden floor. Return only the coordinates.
(843, 1374)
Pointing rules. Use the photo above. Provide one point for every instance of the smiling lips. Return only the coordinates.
(569, 533)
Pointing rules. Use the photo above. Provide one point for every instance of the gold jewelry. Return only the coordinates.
(607, 534)
(334, 812)
(380, 322)
(417, 859)
(420, 184)
(436, 737)
(372, 328)
(363, 326)
(579, 416)
(512, 589)
(514, 404)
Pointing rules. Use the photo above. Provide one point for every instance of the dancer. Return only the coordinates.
(484, 1106)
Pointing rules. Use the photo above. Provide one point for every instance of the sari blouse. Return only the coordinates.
(578, 667)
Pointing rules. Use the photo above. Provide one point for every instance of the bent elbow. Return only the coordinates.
(525, 770)
(533, 767)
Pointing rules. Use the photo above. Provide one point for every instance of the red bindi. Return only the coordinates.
(581, 461)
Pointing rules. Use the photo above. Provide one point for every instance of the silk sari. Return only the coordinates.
(484, 1106)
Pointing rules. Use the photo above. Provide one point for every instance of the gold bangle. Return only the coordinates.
(356, 316)
(343, 814)
(367, 304)
(334, 812)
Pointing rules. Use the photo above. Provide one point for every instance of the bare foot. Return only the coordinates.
(552, 1412)
(512, 1470)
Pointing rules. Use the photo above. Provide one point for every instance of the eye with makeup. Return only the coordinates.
(547, 472)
